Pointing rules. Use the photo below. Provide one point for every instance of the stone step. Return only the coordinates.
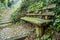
(4, 18)
(4, 25)
(4, 22)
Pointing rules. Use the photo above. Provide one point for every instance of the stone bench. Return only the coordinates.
(38, 23)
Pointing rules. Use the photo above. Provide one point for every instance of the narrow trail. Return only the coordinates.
(12, 31)
(4, 21)
(8, 13)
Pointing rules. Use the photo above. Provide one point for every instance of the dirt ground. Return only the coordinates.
(14, 30)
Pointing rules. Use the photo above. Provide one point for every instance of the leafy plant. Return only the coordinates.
(57, 19)
(46, 37)
(57, 22)
(2, 9)
(15, 17)
(36, 6)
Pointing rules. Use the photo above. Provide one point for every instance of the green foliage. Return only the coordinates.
(2, 1)
(57, 22)
(48, 2)
(2, 9)
(15, 17)
(58, 28)
(57, 11)
(26, 3)
(46, 37)
(16, 11)
(36, 6)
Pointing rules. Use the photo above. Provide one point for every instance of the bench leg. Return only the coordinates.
(39, 32)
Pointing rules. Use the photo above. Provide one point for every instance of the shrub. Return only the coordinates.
(2, 9)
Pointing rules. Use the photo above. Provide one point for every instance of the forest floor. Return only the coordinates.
(14, 30)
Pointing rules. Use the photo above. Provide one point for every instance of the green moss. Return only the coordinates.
(35, 20)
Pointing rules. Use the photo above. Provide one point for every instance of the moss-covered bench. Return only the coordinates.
(38, 23)
(45, 15)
